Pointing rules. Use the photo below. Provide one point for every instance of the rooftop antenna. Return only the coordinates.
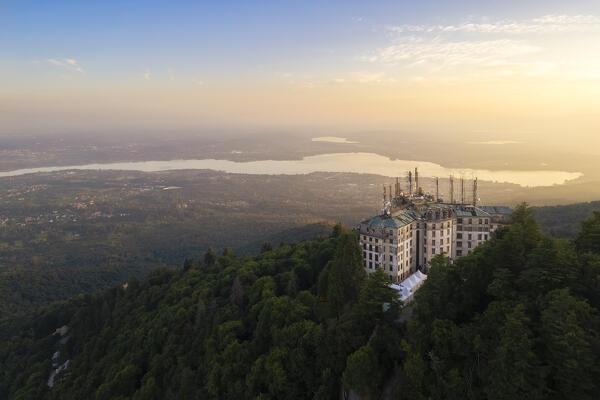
(384, 195)
(475, 191)
(391, 198)
(410, 184)
(451, 189)
(416, 181)
(462, 190)
(397, 187)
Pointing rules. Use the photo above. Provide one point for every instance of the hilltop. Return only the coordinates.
(516, 318)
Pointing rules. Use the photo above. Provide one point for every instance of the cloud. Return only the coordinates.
(496, 142)
(543, 25)
(440, 55)
(146, 76)
(68, 64)
(487, 47)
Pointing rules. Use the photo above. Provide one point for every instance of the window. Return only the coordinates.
(459, 253)
(485, 237)
(487, 221)
(433, 234)
(458, 244)
(370, 239)
(459, 235)
(441, 241)
(376, 240)
(391, 241)
(370, 264)
(370, 247)
(470, 236)
(459, 228)
(364, 246)
(432, 226)
(364, 254)
(470, 222)
(364, 237)
(469, 244)
(479, 237)
(376, 257)
(433, 242)
(370, 256)
(459, 220)
(391, 267)
(432, 250)
(377, 247)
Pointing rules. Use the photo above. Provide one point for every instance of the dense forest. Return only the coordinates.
(517, 318)
(564, 222)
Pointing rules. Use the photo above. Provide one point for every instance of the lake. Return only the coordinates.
(368, 163)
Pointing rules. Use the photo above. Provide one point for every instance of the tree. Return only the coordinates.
(345, 274)
(266, 246)
(363, 374)
(588, 239)
(515, 371)
(210, 257)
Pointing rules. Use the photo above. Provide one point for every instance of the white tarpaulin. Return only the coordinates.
(409, 286)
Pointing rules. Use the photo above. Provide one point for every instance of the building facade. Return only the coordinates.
(413, 229)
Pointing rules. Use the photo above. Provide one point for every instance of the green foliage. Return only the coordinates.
(517, 318)
(588, 239)
(232, 327)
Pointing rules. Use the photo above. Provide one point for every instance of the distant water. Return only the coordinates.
(337, 162)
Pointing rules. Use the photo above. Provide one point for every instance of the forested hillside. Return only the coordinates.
(565, 221)
(517, 318)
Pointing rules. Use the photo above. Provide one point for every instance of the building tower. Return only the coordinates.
(475, 191)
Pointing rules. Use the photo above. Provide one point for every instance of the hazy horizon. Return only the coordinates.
(494, 72)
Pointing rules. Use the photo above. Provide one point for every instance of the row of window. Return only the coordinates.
(470, 221)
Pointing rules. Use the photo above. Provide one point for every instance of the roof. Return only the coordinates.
(397, 220)
(414, 212)
(497, 210)
(409, 286)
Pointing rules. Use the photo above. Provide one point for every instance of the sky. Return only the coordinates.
(483, 70)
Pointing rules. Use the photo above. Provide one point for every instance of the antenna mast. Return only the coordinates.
(475, 191)
(462, 190)
(451, 189)
(417, 181)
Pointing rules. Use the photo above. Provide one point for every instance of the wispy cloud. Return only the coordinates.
(414, 51)
(484, 47)
(543, 25)
(68, 64)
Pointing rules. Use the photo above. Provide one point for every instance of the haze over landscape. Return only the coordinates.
(239, 199)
